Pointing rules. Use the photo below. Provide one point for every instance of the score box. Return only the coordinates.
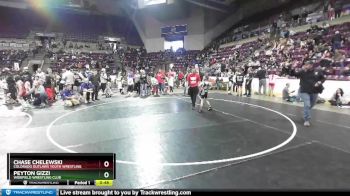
(59, 168)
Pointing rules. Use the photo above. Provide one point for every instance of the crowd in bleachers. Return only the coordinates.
(136, 58)
(79, 60)
(327, 10)
(8, 58)
(328, 47)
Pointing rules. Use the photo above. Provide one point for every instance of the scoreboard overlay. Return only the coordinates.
(61, 168)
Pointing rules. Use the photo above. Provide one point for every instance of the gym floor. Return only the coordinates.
(161, 143)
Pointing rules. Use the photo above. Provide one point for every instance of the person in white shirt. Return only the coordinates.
(41, 75)
(230, 83)
(155, 87)
(137, 83)
(272, 82)
(103, 79)
(120, 82)
(68, 77)
(130, 83)
(171, 78)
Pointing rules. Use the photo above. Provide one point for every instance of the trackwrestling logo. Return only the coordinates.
(29, 192)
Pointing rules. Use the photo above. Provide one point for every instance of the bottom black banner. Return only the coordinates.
(119, 192)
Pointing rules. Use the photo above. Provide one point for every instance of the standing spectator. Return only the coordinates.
(261, 74)
(137, 84)
(338, 6)
(41, 75)
(68, 78)
(103, 80)
(239, 82)
(130, 81)
(95, 80)
(120, 82)
(160, 77)
(272, 82)
(143, 82)
(171, 78)
(331, 14)
(193, 80)
(310, 85)
(248, 84)
(155, 87)
(231, 83)
(181, 77)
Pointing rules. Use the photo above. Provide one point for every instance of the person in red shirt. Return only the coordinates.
(181, 77)
(193, 80)
(161, 80)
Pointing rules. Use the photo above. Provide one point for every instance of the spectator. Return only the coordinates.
(95, 80)
(310, 85)
(248, 84)
(338, 6)
(87, 90)
(69, 98)
(68, 77)
(338, 98)
(161, 80)
(287, 94)
(272, 82)
(130, 83)
(103, 80)
(239, 82)
(40, 96)
(337, 41)
(261, 74)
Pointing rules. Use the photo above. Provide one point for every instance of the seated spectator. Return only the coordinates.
(87, 89)
(40, 96)
(337, 40)
(10, 90)
(69, 98)
(338, 98)
(287, 94)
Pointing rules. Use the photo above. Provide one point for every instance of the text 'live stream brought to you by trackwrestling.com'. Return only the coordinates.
(115, 192)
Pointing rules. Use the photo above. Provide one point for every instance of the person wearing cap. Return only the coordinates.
(193, 80)
(310, 86)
